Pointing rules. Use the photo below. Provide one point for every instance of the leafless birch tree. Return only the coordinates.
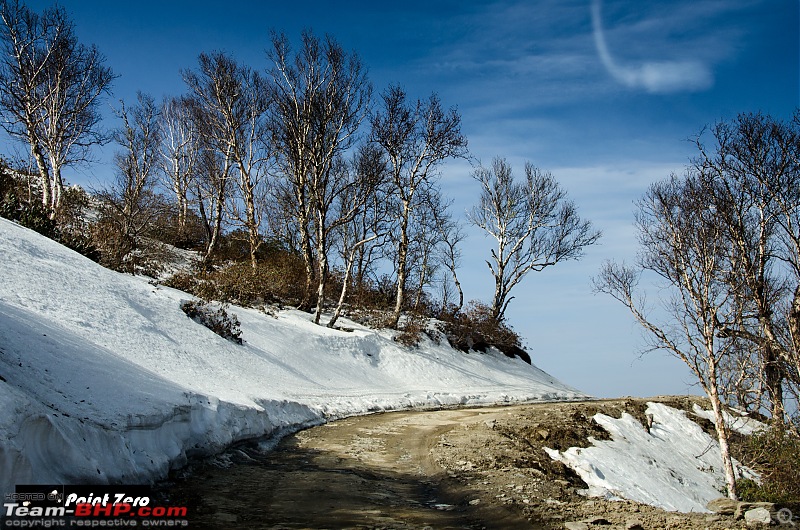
(533, 223)
(321, 95)
(365, 224)
(130, 204)
(416, 138)
(753, 160)
(451, 235)
(50, 88)
(211, 189)
(232, 101)
(684, 245)
(180, 151)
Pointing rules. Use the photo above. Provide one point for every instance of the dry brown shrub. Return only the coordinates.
(474, 328)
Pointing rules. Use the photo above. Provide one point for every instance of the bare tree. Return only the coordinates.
(50, 89)
(180, 151)
(451, 235)
(416, 138)
(682, 243)
(362, 209)
(426, 241)
(533, 223)
(756, 196)
(345, 193)
(321, 95)
(361, 241)
(130, 204)
(211, 189)
(232, 103)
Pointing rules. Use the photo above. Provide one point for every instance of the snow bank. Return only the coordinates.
(675, 466)
(104, 379)
(737, 422)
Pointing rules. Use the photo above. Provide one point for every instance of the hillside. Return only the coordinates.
(103, 378)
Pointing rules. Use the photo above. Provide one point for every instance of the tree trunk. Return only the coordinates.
(217, 227)
(44, 172)
(252, 228)
(460, 293)
(402, 256)
(722, 432)
(203, 217)
(423, 277)
(183, 215)
(773, 375)
(308, 259)
(322, 270)
(499, 294)
(308, 256)
(343, 293)
(58, 190)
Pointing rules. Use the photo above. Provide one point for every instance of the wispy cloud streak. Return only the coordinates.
(652, 76)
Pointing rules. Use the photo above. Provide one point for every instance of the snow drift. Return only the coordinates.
(104, 379)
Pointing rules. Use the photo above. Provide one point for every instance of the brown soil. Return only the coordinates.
(462, 468)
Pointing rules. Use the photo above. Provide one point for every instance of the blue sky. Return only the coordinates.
(604, 96)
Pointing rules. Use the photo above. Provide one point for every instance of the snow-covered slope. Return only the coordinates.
(104, 379)
(674, 465)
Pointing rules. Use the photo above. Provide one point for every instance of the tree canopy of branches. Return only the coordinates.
(416, 138)
(726, 239)
(231, 103)
(533, 223)
(321, 95)
(754, 164)
(50, 88)
(130, 205)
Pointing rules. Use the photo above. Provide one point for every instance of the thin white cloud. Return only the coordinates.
(653, 76)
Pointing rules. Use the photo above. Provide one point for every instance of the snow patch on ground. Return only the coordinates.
(676, 465)
(104, 379)
(737, 422)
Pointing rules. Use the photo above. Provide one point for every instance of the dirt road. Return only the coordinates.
(466, 468)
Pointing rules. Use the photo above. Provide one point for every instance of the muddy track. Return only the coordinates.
(465, 468)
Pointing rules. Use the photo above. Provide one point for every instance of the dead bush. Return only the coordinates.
(474, 328)
(279, 279)
(413, 328)
(218, 320)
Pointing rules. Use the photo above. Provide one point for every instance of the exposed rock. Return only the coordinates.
(634, 524)
(544, 434)
(723, 506)
(745, 506)
(757, 517)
